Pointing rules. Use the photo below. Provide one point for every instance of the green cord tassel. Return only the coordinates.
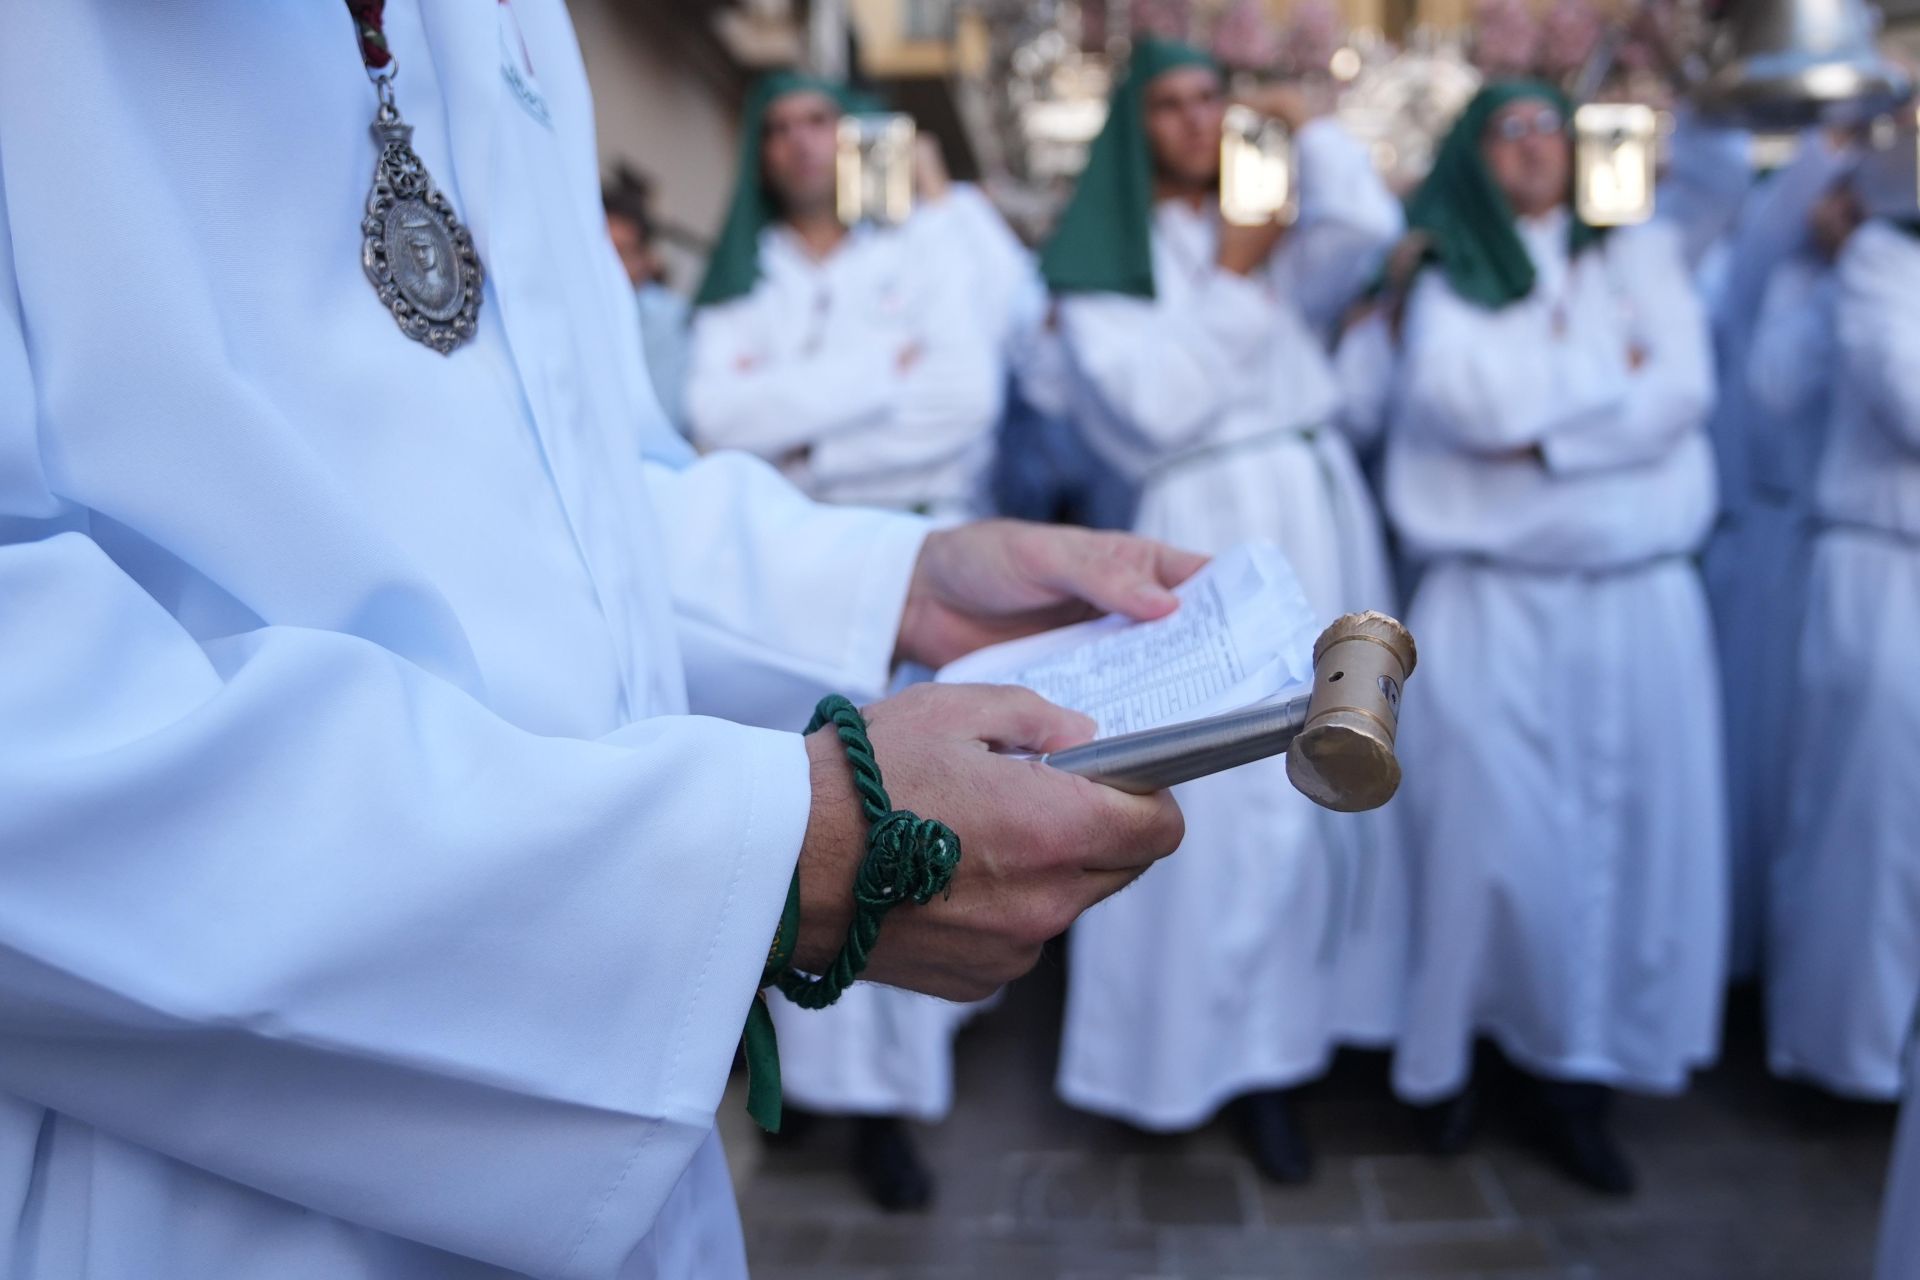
(758, 1041)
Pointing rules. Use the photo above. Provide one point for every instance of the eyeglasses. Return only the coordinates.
(1542, 124)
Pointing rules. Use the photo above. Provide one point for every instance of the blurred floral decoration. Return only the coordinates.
(1166, 19)
(1660, 39)
(1506, 39)
(1569, 35)
(1244, 38)
(1050, 63)
(1310, 39)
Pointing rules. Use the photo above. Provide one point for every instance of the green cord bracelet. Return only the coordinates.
(908, 859)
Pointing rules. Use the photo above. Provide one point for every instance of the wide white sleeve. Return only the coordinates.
(1709, 175)
(780, 599)
(1495, 381)
(1001, 279)
(1879, 326)
(1789, 362)
(1167, 372)
(1348, 221)
(742, 393)
(1365, 366)
(1339, 183)
(1669, 393)
(944, 405)
(1772, 224)
(292, 910)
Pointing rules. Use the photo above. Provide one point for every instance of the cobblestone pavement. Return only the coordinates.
(1743, 1179)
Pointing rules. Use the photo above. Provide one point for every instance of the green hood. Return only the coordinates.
(734, 266)
(1104, 240)
(1469, 220)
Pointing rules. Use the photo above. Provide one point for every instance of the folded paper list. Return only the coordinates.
(1243, 634)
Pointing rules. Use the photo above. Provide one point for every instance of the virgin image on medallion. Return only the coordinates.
(420, 252)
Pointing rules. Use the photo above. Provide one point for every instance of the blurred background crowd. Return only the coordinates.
(1645, 485)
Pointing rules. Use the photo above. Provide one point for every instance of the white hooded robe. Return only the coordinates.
(1561, 737)
(370, 905)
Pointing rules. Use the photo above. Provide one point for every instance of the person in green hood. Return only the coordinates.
(851, 358)
(1200, 349)
(841, 354)
(1547, 467)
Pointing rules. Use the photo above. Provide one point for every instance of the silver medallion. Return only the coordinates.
(420, 259)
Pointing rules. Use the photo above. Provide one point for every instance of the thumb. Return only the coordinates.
(1009, 718)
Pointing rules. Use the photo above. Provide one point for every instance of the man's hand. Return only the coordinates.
(1245, 250)
(1038, 846)
(996, 580)
(931, 182)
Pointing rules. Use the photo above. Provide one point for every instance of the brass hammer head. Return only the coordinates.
(1343, 759)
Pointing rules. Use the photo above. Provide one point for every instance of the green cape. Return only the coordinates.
(1466, 215)
(733, 268)
(1103, 243)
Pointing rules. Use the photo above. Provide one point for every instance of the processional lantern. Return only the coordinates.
(1257, 169)
(873, 168)
(1615, 153)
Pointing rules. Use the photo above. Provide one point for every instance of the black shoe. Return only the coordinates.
(888, 1166)
(1274, 1137)
(1447, 1128)
(1577, 1132)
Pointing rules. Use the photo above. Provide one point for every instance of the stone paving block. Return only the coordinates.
(999, 1252)
(809, 1191)
(1193, 1191)
(1404, 1189)
(791, 1244)
(1333, 1197)
(1452, 1251)
(1066, 1186)
(1337, 1251)
(1457, 1249)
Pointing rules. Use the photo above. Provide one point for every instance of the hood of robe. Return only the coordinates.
(1104, 241)
(1468, 218)
(734, 266)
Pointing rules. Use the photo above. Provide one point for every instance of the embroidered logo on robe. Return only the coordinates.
(516, 68)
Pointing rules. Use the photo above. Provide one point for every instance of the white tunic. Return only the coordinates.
(966, 234)
(1561, 738)
(1767, 425)
(861, 374)
(1041, 461)
(1845, 963)
(369, 905)
(1277, 933)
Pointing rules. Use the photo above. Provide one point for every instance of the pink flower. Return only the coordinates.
(1167, 19)
(1310, 38)
(1244, 39)
(1568, 37)
(1506, 38)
